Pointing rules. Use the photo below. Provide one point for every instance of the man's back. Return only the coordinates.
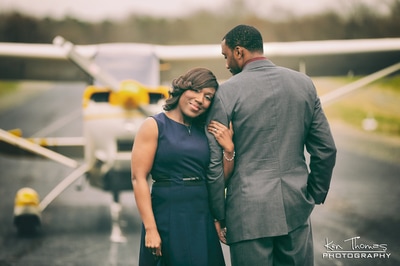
(273, 110)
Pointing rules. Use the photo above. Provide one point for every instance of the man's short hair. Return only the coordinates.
(245, 36)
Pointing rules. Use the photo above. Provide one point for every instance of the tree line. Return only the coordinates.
(204, 27)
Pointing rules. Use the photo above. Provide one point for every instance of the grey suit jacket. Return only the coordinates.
(276, 115)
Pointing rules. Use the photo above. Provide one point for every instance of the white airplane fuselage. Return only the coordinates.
(109, 132)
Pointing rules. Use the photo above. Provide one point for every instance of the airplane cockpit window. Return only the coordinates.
(129, 62)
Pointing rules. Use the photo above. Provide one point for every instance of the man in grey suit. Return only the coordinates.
(276, 115)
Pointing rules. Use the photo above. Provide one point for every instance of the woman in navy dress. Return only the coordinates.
(171, 147)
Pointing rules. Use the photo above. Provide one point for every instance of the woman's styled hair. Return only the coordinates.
(245, 36)
(194, 79)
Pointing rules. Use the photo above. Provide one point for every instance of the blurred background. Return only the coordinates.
(364, 198)
(188, 22)
(194, 22)
(177, 22)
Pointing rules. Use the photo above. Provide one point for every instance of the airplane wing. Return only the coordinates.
(125, 76)
(285, 49)
(381, 57)
(382, 54)
(31, 50)
(332, 47)
(211, 51)
(325, 57)
(42, 51)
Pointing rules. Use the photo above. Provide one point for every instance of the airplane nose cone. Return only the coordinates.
(132, 96)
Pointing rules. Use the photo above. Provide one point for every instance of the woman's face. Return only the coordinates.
(195, 102)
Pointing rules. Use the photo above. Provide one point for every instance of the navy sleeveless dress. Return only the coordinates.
(180, 199)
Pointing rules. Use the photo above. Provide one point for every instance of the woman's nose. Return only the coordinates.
(200, 98)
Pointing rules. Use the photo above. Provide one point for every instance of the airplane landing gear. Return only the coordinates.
(117, 235)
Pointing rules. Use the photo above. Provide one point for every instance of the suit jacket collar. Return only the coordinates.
(254, 59)
(257, 63)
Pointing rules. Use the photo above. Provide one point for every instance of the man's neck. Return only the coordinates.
(255, 58)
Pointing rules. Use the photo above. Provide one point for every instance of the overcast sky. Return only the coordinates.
(96, 10)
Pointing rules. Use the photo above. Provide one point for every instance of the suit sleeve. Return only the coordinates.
(215, 174)
(321, 147)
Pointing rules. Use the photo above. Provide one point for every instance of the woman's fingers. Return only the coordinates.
(216, 127)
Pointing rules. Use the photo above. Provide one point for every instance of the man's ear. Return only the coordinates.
(238, 51)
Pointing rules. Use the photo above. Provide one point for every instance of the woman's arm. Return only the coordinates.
(224, 135)
(142, 158)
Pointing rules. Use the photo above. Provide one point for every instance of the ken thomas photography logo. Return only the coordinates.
(355, 248)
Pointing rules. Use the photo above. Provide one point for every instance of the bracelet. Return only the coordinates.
(229, 159)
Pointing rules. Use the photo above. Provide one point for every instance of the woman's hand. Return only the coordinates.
(153, 241)
(222, 134)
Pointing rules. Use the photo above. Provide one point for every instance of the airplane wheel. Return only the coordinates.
(27, 224)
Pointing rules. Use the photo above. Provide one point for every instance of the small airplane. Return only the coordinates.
(112, 113)
(126, 90)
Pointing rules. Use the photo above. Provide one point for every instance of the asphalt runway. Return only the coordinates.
(358, 224)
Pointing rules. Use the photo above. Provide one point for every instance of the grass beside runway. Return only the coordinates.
(380, 100)
(7, 87)
(13, 93)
